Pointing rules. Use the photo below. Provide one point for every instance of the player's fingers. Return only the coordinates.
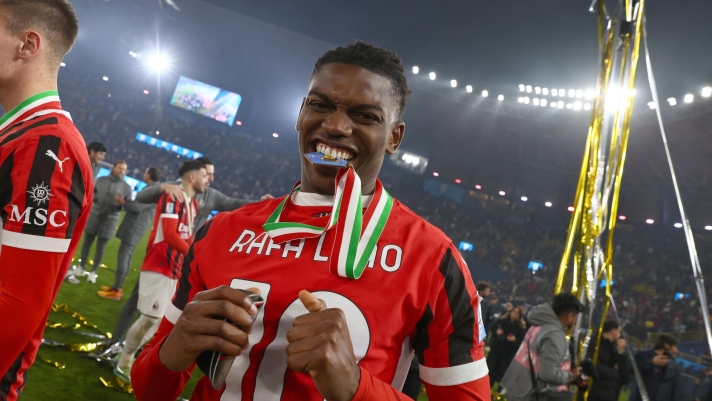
(306, 344)
(213, 343)
(302, 362)
(312, 303)
(254, 290)
(219, 310)
(233, 295)
(334, 315)
(226, 331)
(312, 329)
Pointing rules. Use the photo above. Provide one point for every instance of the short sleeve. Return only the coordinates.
(44, 196)
(450, 334)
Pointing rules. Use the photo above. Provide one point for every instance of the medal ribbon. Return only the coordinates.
(356, 232)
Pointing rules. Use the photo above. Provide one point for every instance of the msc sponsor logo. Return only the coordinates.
(38, 216)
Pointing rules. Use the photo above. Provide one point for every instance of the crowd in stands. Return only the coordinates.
(651, 264)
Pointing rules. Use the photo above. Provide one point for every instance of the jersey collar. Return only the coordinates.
(29, 107)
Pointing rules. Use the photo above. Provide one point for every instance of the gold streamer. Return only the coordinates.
(117, 384)
(81, 321)
(57, 365)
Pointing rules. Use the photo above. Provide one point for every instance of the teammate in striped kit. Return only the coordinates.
(349, 294)
(46, 181)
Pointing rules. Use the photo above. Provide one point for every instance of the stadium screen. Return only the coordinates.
(466, 246)
(680, 295)
(136, 185)
(535, 265)
(208, 100)
(603, 283)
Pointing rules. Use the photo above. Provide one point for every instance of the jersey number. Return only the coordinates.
(271, 370)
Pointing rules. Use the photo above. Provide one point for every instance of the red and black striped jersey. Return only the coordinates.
(171, 234)
(46, 191)
(415, 296)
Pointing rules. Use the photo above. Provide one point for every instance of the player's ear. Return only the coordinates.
(395, 137)
(32, 42)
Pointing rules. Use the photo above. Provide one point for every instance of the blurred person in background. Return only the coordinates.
(110, 193)
(660, 374)
(507, 334)
(613, 366)
(97, 151)
(703, 388)
(137, 221)
(541, 369)
(484, 290)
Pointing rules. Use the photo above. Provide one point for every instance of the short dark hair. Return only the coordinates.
(375, 59)
(120, 162)
(664, 339)
(482, 285)
(609, 325)
(566, 303)
(154, 173)
(95, 146)
(205, 161)
(190, 166)
(55, 19)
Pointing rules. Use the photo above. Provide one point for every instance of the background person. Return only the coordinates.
(137, 221)
(110, 193)
(547, 339)
(613, 366)
(507, 333)
(46, 186)
(97, 151)
(660, 373)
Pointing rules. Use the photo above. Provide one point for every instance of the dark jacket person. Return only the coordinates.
(507, 334)
(660, 373)
(613, 365)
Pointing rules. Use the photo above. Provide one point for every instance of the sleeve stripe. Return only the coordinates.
(34, 242)
(184, 288)
(454, 375)
(172, 313)
(168, 216)
(462, 312)
(75, 198)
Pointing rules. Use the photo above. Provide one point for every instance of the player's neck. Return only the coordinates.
(14, 92)
(188, 188)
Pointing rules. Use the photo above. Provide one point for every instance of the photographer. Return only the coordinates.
(660, 373)
(613, 366)
(541, 370)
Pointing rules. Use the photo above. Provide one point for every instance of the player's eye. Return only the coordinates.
(317, 105)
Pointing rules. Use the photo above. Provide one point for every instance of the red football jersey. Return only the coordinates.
(46, 191)
(416, 295)
(172, 220)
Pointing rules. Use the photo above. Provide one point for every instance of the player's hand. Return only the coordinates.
(201, 327)
(265, 197)
(511, 337)
(320, 344)
(621, 345)
(576, 372)
(119, 198)
(175, 192)
(660, 360)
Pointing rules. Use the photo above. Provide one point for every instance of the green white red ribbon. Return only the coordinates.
(356, 232)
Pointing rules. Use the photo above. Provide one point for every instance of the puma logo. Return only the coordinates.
(53, 156)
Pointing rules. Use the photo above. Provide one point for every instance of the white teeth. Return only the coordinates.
(333, 153)
(341, 154)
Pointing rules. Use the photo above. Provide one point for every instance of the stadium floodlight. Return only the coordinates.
(478, 186)
(572, 93)
(554, 92)
(435, 174)
(432, 76)
(524, 199)
(158, 62)
(521, 88)
(577, 105)
(276, 135)
(707, 91)
(589, 94)
(621, 217)
(547, 204)
(569, 106)
(708, 228)
(536, 101)
(570, 208)
(537, 90)
(526, 100)
(529, 89)
(520, 99)
(552, 104)
(416, 69)
(500, 97)
(545, 91)
(562, 92)
(579, 93)
(468, 88)
(543, 103)
(560, 104)
(672, 101)
(453, 83)
(502, 193)
(145, 92)
(650, 221)
(62, 64)
(678, 225)
(651, 105)
(485, 93)
(689, 98)
(587, 106)
(105, 78)
(458, 181)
